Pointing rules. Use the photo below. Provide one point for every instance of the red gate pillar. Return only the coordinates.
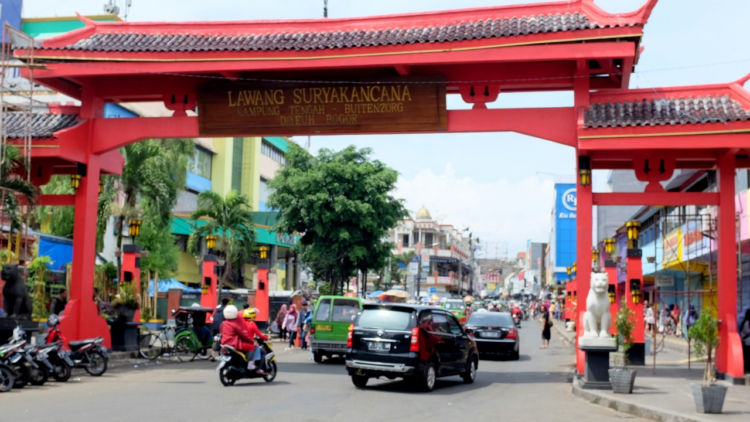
(261, 295)
(81, 319)
(634, 299)
(584, 217)
(209, 285)
(610, 267)
(131, 271)
(729, 359)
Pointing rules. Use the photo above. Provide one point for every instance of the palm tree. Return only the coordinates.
(13, 184)
(231, 221)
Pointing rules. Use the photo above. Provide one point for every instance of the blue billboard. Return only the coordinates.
(565, 227)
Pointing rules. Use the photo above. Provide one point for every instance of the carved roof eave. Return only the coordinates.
(625, 24)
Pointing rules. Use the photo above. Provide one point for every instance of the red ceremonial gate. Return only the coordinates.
(391, 74)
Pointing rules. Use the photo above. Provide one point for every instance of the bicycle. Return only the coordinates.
(166, 342)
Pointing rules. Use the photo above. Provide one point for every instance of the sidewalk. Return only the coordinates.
(665, 394)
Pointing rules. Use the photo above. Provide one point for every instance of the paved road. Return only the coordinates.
(531, 389)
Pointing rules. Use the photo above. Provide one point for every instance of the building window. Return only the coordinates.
(428, 240)
(263, 194)
(200, 163)
(405, 240)
(181, 241)
(272, 152)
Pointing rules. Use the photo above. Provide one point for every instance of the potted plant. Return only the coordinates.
(708, 396)
(125, 302)
(623, 378)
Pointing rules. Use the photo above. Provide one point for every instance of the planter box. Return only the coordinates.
(709, 399)
(622, 380)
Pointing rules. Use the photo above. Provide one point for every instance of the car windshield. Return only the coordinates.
(454, 304)
(496, 319)
(387, 319)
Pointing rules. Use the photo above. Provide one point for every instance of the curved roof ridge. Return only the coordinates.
(307, 34)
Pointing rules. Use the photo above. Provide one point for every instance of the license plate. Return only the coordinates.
(324, 327)
(376, 346)
(490, 334)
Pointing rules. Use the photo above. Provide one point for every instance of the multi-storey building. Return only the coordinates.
(442, 251)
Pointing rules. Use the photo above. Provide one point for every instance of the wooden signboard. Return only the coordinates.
(390, 106)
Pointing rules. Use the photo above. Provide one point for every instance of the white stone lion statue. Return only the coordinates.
(596, 319)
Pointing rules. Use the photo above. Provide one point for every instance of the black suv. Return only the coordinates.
(415, 342)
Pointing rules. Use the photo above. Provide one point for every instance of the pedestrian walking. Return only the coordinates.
(690, 316)
(303, 323)
(290, 324)
(648, 317)
(546, 328)
(676, 319)
(280, 317)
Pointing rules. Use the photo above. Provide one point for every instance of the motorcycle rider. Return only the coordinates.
(249, 315)
(235, 333)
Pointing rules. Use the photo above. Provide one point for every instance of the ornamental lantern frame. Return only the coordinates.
(75, 181)
(609, 245)
(134, 227)
(210, 241)
(584, 170)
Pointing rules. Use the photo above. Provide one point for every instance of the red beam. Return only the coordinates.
(657, 198)
(115, 133)
(468, 54)
(559, 123)
(56, 200)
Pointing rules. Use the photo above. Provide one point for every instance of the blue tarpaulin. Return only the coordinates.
(166, 284)
(59, 250)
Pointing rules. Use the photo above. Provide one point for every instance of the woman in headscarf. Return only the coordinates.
(280, 316)
(290, 324)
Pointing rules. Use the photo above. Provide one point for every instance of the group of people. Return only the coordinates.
(671, 319)
(292, 322)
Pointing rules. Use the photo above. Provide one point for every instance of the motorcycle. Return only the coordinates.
(88, 354)
(233, 364)
(27, 367)
(60, 362)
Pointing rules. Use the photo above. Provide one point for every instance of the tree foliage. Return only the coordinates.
(12, 183)
(341, 203)
(231, 220)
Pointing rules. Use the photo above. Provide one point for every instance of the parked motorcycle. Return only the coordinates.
(28, 366)
(60, 363)
(233, 364)
(88, 354)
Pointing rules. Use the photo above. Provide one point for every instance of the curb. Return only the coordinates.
(626, 406)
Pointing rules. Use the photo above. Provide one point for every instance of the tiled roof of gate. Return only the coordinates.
(131, 39)
(665, 111)
(41, 125)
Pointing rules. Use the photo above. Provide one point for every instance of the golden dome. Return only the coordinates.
(423, 214)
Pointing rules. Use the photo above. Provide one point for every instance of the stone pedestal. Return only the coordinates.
(596, 373)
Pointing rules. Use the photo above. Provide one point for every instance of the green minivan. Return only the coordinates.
(330, 325)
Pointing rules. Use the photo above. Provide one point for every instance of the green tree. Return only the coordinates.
(60, 217)
(231, 220)
(155, 171)
(341, 203)
(12, 184)
(398, 275)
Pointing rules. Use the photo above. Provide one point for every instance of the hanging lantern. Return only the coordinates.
(263, 252)
(575, 268)
(633, 228)
(636, 295)
(611, 293)
(75, 181)
(584, 170)
(134, 227)
(211, 241)
(609, 245)
(595, 255)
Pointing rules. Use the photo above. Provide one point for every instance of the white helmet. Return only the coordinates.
(230, 312)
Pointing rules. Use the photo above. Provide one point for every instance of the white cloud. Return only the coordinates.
(503, 214)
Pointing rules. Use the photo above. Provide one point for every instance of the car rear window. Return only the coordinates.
(490, 318)
(324, 307)
(344, 310)
(386, 319)
(454, 304)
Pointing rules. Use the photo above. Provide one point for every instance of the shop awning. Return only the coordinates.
(263, 222)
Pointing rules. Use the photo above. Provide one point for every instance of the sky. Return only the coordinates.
(498, 185)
